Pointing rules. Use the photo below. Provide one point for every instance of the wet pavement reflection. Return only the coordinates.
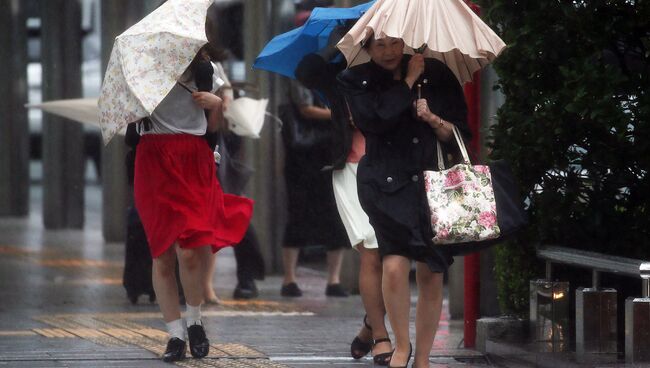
(63, 305)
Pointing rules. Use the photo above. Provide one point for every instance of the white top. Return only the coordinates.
(178, 113)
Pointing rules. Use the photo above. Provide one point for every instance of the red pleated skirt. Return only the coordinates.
(179, 198)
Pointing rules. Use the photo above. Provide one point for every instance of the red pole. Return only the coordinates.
(472, 300)
(472, 297)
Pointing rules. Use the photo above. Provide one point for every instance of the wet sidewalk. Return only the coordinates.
(63, 305)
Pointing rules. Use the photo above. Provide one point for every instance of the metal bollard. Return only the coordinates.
(596, 327)
(644, 271)
(549, 315)
(637, 322)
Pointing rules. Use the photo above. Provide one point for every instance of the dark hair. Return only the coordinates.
(216, 54)
(367, 42)
(200, 69)
(309, 5)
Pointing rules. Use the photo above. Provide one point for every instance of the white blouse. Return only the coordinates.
(178, 113)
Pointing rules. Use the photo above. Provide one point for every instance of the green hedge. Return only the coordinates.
(575, 126)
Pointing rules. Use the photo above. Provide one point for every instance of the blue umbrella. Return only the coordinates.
(283, 53)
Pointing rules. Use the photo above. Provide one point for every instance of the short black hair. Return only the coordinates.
(309, 5)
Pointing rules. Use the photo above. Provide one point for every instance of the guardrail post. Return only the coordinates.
(596, 326)
(549, 315)
(637, 322)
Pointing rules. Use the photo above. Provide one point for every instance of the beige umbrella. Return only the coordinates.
(450, 30)
(82, 110)
(146, 61)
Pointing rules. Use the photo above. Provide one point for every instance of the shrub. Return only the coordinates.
(575, 127)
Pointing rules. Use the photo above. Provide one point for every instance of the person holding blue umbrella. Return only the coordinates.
(317, 71)
(312, 214)
(309, 54)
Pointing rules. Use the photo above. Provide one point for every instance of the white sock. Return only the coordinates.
(193, 315)
(176, 329)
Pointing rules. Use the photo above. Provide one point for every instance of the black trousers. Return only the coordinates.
(250, 263)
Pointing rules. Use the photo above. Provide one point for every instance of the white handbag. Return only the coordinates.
(461, 199)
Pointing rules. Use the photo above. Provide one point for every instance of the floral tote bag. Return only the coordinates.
(462, 200)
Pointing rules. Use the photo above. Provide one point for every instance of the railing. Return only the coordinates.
(596, 307)
(598, 263)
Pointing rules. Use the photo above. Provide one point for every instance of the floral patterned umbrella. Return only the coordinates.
(146, 61)
(447, 30)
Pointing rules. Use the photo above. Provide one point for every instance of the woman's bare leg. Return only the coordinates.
(427, 315)
(209, 263)
(289, 262)
(192, 272)
(334, 263)
(164, 284)
(370, 286)
(397, 298)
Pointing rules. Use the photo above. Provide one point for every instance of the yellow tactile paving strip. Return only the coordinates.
(17, 333)
(97, 281)
(119, 329)
(53, 332)
(46, 258)
(76, 262)
(14, 251)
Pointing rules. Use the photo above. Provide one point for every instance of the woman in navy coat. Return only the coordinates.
(401, 131)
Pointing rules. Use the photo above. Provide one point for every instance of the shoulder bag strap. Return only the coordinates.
(461, 145)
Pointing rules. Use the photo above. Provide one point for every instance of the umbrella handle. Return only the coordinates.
(421, 49)
(185, 87)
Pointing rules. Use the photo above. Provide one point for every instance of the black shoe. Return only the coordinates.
(383, 358)
(175, 350)
(360, 348)
(245, 289)
(336, 290)
(199, 343)
(407, 359)
(291, 290)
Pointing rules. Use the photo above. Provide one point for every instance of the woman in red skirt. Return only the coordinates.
(185, 213)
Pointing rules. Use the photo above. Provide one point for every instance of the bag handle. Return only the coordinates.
(461, 145)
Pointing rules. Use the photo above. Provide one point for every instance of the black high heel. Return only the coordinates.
(358, 348)
(407, 360)
(382, 358)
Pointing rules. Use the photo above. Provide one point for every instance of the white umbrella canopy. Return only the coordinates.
(245, 115)
(451, 31)
(82, 110)
(146, 61)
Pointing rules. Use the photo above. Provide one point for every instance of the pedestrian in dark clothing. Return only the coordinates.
(233, 175)
(313, 216)
(318, 71)
(402, 104)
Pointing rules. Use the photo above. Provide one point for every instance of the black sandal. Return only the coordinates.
(358, 348)
(382, 358)
(407, 360)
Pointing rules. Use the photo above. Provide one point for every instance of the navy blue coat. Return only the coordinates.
(399, 147)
